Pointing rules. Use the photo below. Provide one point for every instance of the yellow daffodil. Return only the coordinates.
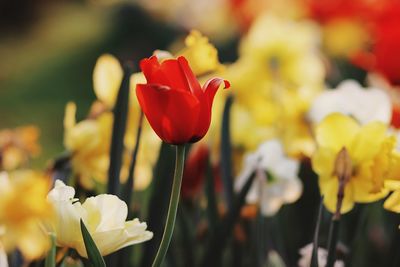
(23, 207)
(392, 203)
(277, 75)
(17, 146)
(202, 56)
(371, 152)
(89, 143)
(104, 216)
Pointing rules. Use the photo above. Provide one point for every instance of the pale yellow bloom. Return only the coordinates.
(89, 144)
(23, 209)
(107, 78)
(372, 154)
(104, 216)
(17, 146)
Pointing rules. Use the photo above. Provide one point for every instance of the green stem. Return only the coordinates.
(173, 207)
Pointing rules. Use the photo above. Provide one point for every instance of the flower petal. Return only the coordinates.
(172, 114)
(210, 89)
(170, 72)
(191, 80)
(336, 131)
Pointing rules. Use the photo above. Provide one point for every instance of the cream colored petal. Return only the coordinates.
(364, 104)
(66, 225)
(132, 233)
(110, 208)
(61, 192)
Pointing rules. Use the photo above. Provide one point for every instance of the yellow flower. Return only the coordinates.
(371, 152)
(104, 216)
(17, 146)
(107, 77)
(277, 76)
(89, 143)
(392, 203)
(23, 207)
(202, 56)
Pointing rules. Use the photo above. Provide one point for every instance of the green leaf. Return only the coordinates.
(91, 249)
(218, 241)
(212, 210)
(226, 154)
(314, 257)
(118, 133)
(50, 260)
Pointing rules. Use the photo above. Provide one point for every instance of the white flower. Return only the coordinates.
(104, 216)
(306, 253)
(276, 182)
(349, 98)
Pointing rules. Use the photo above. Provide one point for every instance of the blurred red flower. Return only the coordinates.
(195, 171)
(384, 55)
(176, 106)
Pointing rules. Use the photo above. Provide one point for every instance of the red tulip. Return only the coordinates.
(176, 106)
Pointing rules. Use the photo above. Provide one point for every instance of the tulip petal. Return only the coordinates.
(191, 80)
(172, 114)
(168, 73)
(210, 89)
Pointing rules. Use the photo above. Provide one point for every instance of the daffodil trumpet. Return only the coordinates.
(173, 206)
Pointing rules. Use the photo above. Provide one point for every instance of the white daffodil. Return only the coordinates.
(306, 253)
(276, 182)
(104, 216)
(349, 98)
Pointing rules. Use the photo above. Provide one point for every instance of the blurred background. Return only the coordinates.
(48, 50)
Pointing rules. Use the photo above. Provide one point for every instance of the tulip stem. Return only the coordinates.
(173, 206)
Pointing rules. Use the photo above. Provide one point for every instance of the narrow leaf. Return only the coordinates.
(226, 154)
(119, 127)
(91, 249)
(218, 241)
(314, 257)
(212, 212)
(50, 260)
